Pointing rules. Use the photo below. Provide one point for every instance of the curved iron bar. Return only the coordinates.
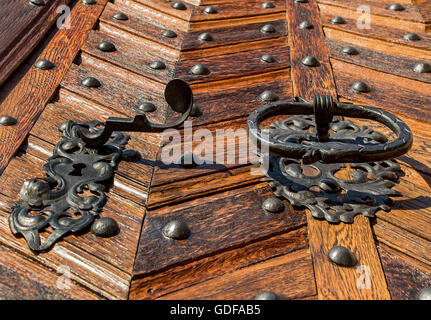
(178, 95)
(325, 150)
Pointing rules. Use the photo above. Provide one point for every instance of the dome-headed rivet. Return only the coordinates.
(411, 37)
(396, 7)
(268, 5)
(105, 227)
(306, 25)
(200, 69)
(267, 295)
(425, 294)
(329, 185)
(131, 156)
(196, 111)
(310, 61)
(273, 205)
(205, 37)
(179, 5)
(106, 46)
(338, 20)
(38, 2)
(210, 10)
(91, 82)
(157, 65)
(342, 256)
(44, 65)
(267, 58)
(169, 34)
(268, 28)
(7, 121)
(147, 107)
(188, 160)
(268, 96)
(176, 229)
(89, 1)
(422, 67)
(360, 87)
(350, 51)
(120, 16)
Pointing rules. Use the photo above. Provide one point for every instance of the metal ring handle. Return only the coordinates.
(326, 150)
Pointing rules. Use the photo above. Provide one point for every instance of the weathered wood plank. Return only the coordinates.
(180, 277)
(333, 282)
(22, 26)
(36, 88)
(405, 276)
(237, 217)
(289, 276)
(235, 65)
(411, 98)
(376, 60)
(22, 279)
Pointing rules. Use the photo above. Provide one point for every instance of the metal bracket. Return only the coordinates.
(305, 139)
(78, 173)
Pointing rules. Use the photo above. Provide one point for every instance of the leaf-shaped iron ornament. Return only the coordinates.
(72, 194)
(325, 143)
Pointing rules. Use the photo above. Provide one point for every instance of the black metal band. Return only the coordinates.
(331, 151)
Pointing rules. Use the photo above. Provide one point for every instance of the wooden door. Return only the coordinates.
(247, 53)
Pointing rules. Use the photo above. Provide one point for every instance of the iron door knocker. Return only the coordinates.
(305, 139)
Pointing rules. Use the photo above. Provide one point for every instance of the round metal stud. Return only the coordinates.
(268, 28)
(425, 294)
(205, 37)
(200, 69)
(169, 34)
(105, 227)
(91, 82)
(338, 20)
(422, 67)
(267, 295)
(268, 5)
(7, 121)
(350, 51)
(89, 1)
(306, 25)
(157, 65)
(176, 229)
(120, 16)
(147, 107)
(106, 46)
(342, 256)
(188, 160)
(195, 112)
(44, 65)
(267, 58)
(411, 37)
(273, 205)
(310, 61)
(179, 5)
(360, 87)
(396, 7)
(38, 2)
(210, 10)
(268, 96)
(131, 156)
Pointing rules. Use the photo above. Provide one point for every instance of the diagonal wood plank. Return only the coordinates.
(333, 282)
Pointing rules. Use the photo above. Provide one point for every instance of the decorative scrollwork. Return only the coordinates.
(364, 189)
(72, 194)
